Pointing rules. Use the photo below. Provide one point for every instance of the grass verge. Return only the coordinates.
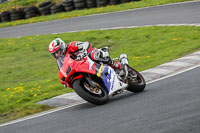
(78, 13)
(28, 73)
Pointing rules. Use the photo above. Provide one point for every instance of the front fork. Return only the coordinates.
(93, 86)
(88, 79)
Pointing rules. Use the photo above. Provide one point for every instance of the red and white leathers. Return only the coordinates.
(76, 47)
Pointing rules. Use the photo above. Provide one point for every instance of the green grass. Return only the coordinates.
(77, 13)
(28, 73)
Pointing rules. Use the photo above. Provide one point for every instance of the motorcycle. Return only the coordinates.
(96, 82)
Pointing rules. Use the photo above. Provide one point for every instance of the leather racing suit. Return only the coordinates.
(74, 48)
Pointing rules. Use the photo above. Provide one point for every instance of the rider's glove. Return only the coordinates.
(84, 52)
(103, 54)
(83, 47)
(80, 56)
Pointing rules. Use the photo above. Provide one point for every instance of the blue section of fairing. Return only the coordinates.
(106, 79)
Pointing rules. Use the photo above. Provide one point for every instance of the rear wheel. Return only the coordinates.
(95, 95)
(136, 82)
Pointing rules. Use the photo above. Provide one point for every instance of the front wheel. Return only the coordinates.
(136, 82)
(95, 95)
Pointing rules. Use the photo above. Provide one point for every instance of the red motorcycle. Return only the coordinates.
(96, 82)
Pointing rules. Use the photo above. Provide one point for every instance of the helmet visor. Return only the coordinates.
(57, 54)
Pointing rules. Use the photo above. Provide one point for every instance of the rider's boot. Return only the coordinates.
(120, 68)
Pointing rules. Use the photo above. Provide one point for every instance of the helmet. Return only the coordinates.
(57, 47)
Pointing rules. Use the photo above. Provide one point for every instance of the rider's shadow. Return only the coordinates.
(124, 97)
(116, 100)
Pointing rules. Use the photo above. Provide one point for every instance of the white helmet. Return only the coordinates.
(57, 47)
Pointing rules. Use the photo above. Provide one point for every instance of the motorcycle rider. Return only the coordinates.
(78, 50)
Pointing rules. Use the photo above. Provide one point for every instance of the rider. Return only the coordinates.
(78, 50)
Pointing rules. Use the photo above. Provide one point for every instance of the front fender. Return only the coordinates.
(75, 78)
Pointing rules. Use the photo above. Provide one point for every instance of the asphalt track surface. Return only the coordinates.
(170, 105)
(168, 14)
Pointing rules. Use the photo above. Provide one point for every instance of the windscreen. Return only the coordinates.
(60, 62)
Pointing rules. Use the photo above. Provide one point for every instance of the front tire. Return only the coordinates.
(136, 82)
(83, 89)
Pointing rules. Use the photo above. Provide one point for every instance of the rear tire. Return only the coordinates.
(83, 92)
(136, 84)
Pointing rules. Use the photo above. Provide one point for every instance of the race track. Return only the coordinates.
(171, 105)
(168, 106)
(185, 13)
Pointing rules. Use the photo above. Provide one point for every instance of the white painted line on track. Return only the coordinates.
(130, 27)
(125, 27)
(41, 114)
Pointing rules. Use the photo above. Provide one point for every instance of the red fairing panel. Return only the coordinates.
(71, 67)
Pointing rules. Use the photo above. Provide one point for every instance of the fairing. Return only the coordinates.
(70, 67)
